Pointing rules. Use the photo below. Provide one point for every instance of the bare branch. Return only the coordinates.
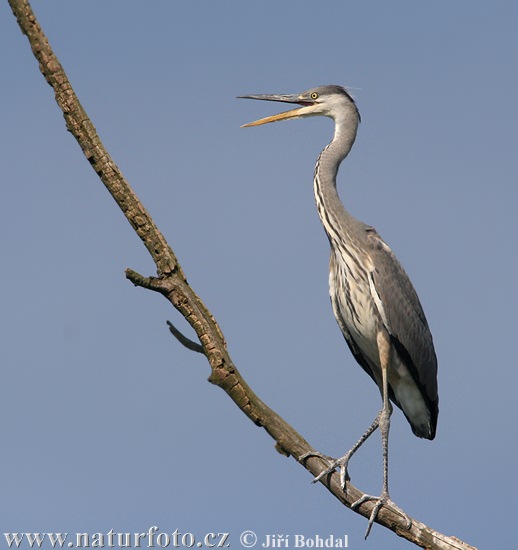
(172, 284)
(186, 342)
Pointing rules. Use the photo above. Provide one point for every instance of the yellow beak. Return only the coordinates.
(294, 113)
(308, 107)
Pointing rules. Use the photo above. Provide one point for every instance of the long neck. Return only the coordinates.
(332, 213)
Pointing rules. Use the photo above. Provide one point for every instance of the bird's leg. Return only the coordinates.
(384, 425)
(342, 462)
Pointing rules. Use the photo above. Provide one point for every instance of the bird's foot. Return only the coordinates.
(383, 500)
(341, 463)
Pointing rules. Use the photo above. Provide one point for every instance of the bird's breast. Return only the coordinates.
(353, 304)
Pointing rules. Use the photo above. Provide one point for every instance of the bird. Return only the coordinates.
(374, 302)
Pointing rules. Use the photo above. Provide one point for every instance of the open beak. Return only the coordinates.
(306, 109)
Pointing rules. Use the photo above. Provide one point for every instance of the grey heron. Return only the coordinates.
(373, 300)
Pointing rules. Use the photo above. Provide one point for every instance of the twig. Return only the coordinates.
(172, 283)
(186, 342)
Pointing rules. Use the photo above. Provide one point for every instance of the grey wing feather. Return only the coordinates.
(407, 324)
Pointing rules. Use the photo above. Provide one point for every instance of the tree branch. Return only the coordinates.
(172, 284)
(186, 342)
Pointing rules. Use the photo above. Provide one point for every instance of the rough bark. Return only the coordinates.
(172, 284)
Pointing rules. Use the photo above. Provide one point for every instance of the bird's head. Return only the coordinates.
(331, 101)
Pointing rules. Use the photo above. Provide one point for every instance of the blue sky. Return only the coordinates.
(107, 423)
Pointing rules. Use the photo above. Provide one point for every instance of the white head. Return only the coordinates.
(331, 101)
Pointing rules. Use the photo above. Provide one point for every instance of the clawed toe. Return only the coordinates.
(333, 464)
(383, 500)
(315, 454)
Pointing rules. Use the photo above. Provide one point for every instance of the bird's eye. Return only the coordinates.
(314, 95)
